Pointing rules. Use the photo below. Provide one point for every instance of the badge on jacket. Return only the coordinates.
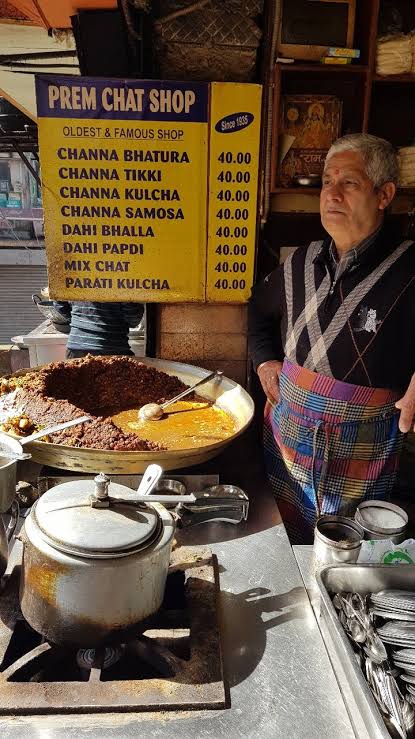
(367, 320)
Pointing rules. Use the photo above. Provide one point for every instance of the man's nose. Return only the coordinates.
(334, 192)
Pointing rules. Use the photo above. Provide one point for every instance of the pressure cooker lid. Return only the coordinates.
(71, 524)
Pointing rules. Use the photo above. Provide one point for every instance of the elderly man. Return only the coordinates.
(332, 339)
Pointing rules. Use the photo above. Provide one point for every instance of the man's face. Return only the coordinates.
(350, 207)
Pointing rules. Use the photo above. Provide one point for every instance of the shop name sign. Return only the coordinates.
(135, 208)
(120, 99)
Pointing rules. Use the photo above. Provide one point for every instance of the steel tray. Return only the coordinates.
(363, 579)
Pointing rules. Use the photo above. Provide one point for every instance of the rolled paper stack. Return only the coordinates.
(407, 166)
(394, 55)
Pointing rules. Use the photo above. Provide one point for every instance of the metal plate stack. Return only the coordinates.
(399, 631)
(394, 604)
(405, 660)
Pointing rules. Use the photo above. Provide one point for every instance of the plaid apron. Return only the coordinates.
(329, 445)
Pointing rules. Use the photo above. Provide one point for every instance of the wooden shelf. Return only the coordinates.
(372, 103)
(296, 191)
(316, 191)
(320, 68)
(394, 78)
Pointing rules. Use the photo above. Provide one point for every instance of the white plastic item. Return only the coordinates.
(46, 345)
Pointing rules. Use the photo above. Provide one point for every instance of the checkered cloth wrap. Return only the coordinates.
(329, 445)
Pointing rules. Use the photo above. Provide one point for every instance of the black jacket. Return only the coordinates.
(386, 341)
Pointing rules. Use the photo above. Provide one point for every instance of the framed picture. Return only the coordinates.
(308, 126)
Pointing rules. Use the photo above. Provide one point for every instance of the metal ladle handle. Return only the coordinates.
(12, 446)
(216, 373)
(54, 429)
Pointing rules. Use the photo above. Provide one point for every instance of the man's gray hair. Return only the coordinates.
(380, 158)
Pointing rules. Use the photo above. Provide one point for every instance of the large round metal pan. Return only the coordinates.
(227, 394)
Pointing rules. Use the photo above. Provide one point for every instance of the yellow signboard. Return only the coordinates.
(125, 188)
(124, 169)
(233, 182)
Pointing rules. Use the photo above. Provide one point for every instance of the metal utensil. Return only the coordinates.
(174, 499)
(229, 396)
(6, 535)
(375, 648)
(357, 632)
(14, 446)
(391, 614)
(155, 411)
(359, 626)
(168, 488)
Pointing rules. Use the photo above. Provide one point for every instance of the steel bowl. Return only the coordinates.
(337, 539)
(307, 180)
(372, 513)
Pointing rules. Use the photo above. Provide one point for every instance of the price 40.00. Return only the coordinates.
(234, 267)
(225, 284)
(236, 250)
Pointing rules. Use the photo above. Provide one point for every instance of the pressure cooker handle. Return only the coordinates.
(186, 518)
(225, 503)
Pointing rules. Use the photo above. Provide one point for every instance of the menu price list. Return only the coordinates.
(149, 188)
(120, 204)
(233, 183)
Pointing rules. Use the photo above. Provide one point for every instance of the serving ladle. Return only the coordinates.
(155, 411)
(11, 446)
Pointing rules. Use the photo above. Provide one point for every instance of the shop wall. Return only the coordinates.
(211, 336)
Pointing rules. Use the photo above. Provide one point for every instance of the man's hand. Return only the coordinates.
(269, 375)
(406, 405)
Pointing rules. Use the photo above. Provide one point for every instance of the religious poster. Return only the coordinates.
(311, 123)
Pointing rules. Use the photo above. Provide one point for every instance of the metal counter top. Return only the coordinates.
(280, 679)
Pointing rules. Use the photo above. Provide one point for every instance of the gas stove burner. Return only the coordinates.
(102, 658)
(170, 662)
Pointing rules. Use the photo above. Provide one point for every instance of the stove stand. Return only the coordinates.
(172, 662)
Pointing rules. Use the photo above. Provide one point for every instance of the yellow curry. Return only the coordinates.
(184, 425)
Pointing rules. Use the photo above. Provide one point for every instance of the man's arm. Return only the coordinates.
(132, 313)
(264, 333)
(406, 405)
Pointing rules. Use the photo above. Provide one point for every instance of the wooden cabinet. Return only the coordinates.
(384, 106)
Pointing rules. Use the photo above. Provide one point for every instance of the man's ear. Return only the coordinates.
(387, 193)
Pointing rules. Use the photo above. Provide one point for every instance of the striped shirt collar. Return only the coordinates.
(328, 252)
(352, 256)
